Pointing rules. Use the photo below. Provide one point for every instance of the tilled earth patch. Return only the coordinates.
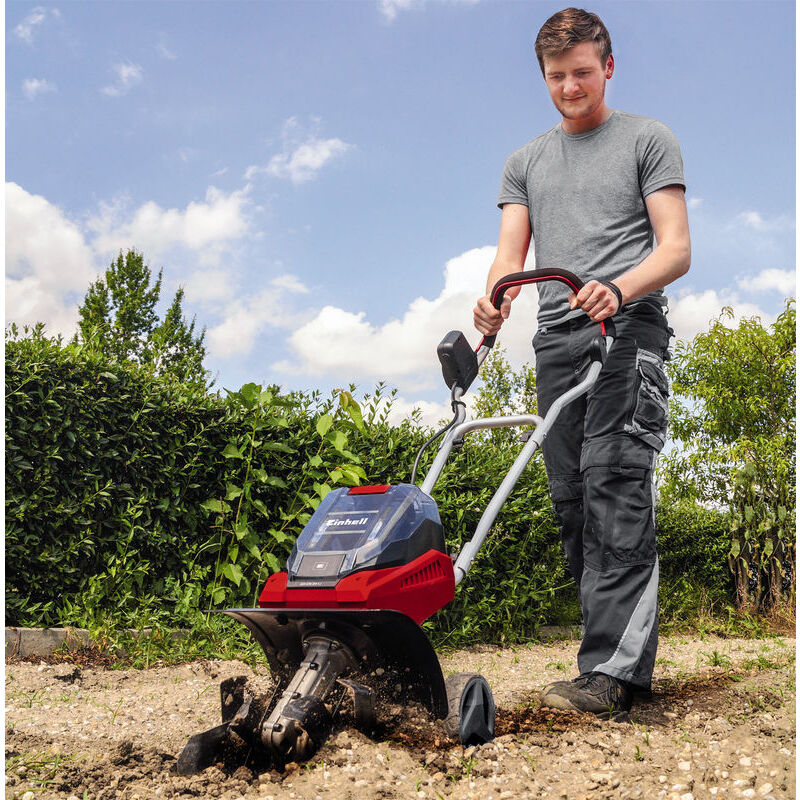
(721, 723)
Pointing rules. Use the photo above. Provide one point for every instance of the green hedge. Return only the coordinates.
(113, 475)
(106, 467)
(693, 544)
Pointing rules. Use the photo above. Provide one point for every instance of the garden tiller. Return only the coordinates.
(340, 626)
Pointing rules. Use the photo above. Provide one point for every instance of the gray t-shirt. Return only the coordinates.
(585, 194)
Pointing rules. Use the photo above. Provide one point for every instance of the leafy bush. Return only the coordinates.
(119, 484)
(131, 494)
(693, 544)
(106, 467)
(733, 416)
(134, 498)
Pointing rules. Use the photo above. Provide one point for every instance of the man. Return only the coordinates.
(594, 192)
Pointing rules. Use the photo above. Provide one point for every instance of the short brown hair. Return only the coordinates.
(568, 28)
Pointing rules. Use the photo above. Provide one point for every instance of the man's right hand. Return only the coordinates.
(487, 318)
(512, 248)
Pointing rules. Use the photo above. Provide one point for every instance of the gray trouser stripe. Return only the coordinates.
(653, 491)
(637, 631)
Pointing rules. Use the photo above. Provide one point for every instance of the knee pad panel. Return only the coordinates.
(619, 530)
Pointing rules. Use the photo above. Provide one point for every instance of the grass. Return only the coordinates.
(762, 661)
(467, 765)
(26, 699)
(214, 636)
(645, 733)
(696, 613)
(221, 638)
(530, 761)
(114, 711)
(716, 659)
(211, 637)
(39, 767)
(665, 662)
(686, 737)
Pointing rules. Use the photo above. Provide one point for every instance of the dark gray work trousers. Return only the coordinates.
(600, 456)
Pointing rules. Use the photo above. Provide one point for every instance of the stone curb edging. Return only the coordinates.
(28, 642)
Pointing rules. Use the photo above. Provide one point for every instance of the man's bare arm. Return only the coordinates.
(669, 260)
(512, 249)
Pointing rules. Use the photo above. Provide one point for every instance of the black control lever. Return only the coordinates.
(458, 360)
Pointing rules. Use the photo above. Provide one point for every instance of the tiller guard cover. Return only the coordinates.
(382, 639)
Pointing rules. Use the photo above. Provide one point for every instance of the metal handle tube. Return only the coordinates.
(457, 432)
(470, 549)
(482, 352)
(447, 443)
(445, 447)
(496, 422)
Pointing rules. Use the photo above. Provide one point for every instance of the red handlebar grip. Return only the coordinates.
(522, 278)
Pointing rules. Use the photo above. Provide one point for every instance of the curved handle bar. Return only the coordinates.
(536, 276)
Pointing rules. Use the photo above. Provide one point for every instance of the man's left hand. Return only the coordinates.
(596, 299)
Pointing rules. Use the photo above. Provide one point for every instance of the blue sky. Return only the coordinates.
(321, 176)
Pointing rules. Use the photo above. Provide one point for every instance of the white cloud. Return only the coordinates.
(694, 202)
(752, 219)
(691, 312)
(430, 413)
(302, 156)
(48, 264)
(245, 319)
(25, 29)
(290, 283)
(390, 8)
(205, 227)
(163, 50)
(347, 345)
(342, 343)
(128, 75)
(50, 260)
(756, 221)
(187, 154)
(31, 87)
(209, 287)
(303, 163)
(236, 334)
(778, 280)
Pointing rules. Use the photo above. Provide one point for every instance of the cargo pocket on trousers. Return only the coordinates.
(650, 416)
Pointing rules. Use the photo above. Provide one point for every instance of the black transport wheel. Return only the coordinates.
(470, 709)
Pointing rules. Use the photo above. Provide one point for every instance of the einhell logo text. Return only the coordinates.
(339, 523)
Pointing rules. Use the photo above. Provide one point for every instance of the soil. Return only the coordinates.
(721, 723)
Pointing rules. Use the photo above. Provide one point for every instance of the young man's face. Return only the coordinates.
(576, 81)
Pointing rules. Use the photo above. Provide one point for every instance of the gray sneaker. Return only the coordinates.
(594, 692)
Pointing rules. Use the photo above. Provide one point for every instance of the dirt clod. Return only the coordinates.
(69, 673)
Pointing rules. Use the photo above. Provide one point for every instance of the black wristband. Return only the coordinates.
(614, 288)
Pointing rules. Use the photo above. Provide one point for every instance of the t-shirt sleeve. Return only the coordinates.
(513, 185)
(659, 157)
